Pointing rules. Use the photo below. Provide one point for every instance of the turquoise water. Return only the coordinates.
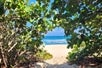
(48, 40)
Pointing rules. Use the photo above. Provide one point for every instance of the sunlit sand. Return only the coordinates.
(59, 53)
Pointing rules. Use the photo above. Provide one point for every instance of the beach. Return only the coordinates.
(59, 52)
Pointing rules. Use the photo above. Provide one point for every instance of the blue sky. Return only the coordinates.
(58, 31)
(32, 1)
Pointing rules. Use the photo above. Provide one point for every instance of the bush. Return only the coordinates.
(44, 55)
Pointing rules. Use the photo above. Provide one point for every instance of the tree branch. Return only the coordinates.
(12, 47)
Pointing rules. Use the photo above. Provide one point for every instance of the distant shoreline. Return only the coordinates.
(55, 44)
(53, 40)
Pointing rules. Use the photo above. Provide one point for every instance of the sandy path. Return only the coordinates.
(59, 53)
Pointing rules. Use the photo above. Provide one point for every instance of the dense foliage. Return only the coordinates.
(22, 27)
(82, 21)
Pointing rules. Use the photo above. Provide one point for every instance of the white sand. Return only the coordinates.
(59, 53)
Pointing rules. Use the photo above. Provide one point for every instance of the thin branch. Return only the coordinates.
(2, 54)
(22, 52)
(12, 47)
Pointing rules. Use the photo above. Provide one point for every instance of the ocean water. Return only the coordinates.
(48, 40)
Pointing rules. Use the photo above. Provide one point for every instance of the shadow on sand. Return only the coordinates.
(64, 65)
